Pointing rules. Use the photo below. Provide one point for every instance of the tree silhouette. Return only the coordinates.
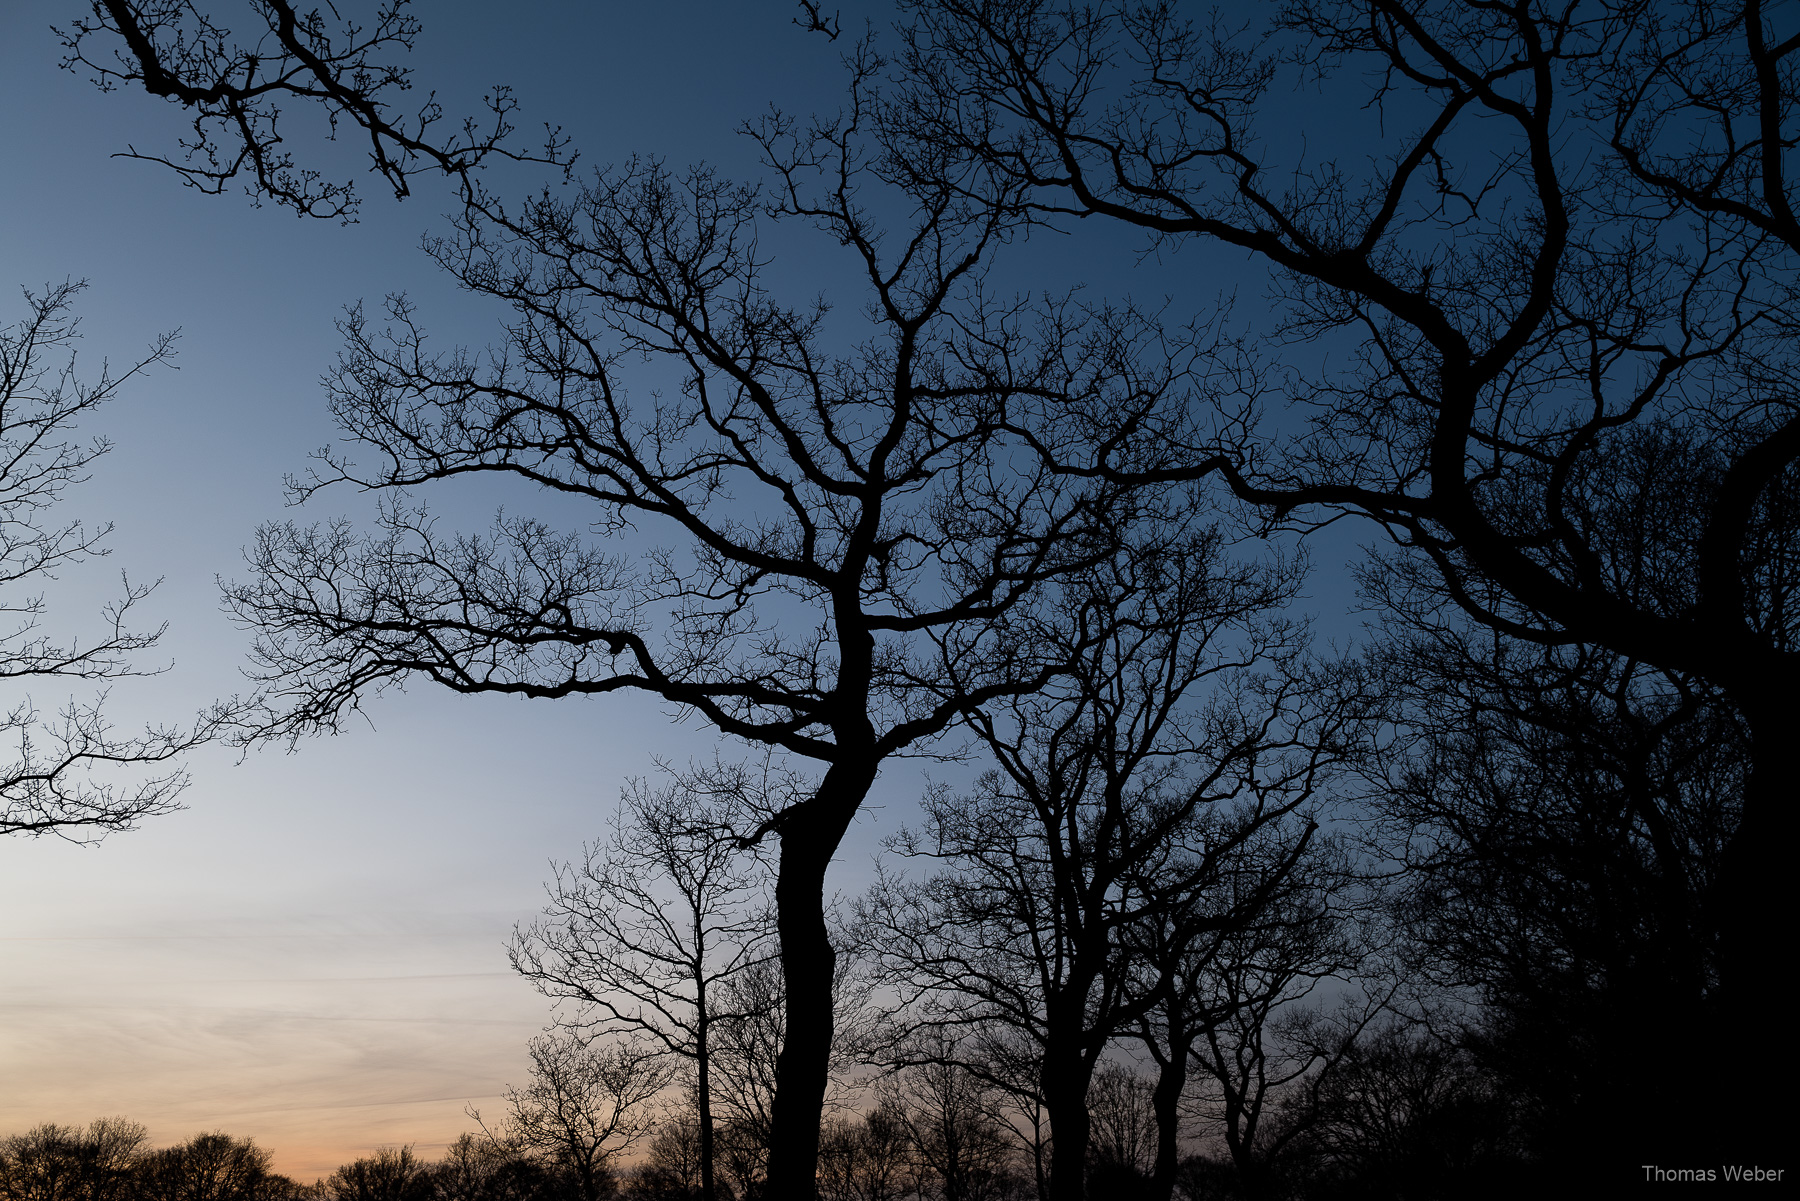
(212, 1167)
(868, 1157)
(1561, 819)
(479, 1167)
(64, 778)
(1407, 1115)
(1561, 232)
(852, 532)
(1221, 970)
(649, 931)
(1189, 726)
(391, 1174)
(235, 91)
(69, 1163)
(586, 1104)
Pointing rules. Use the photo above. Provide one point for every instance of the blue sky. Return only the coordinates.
(312, 953)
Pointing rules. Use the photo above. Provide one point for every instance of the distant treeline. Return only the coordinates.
(108, 1161)
(934, 1133)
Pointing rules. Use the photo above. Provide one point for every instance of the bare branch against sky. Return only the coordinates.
(809, 415)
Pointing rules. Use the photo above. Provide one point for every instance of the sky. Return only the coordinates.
(313, 953)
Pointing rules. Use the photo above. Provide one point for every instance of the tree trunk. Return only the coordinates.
(1240, 1139)
(1066, 1076)
(1040, 1166)
(808, 841)
(1165, 1099)
(703, 1098)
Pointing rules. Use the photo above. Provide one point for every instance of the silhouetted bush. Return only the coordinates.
(211, 1167)
(481, 1168)
(67, 1163)
(391, 1174)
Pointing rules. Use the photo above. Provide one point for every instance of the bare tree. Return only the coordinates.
(869, 1157)
(1237, 1013)
(234, 91)
(64, 777)
(964, 1151)
(748, 1062)
(1561, 816)
(648, 931)
(1559, 229)
(586, 1105)
(1407, 1115)
(671, 1168)
(1123, 1139)
(873, 498)
(68, 1163)
(1220, 969)
(391, 1174)
(480, 1167)
(212, 1167)
(747, 1057)
(1189, 725)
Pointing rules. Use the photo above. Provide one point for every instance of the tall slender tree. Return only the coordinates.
(647, 933)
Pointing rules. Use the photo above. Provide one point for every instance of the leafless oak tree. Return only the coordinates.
(852, 531)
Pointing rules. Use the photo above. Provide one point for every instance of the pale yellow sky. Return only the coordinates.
(340, 987)
(313, 955)
(264, 1034)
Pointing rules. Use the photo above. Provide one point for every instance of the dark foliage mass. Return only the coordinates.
(1227, 917)
(1561, 824)
(1557, 261)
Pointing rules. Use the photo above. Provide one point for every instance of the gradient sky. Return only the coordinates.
(313, 953)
